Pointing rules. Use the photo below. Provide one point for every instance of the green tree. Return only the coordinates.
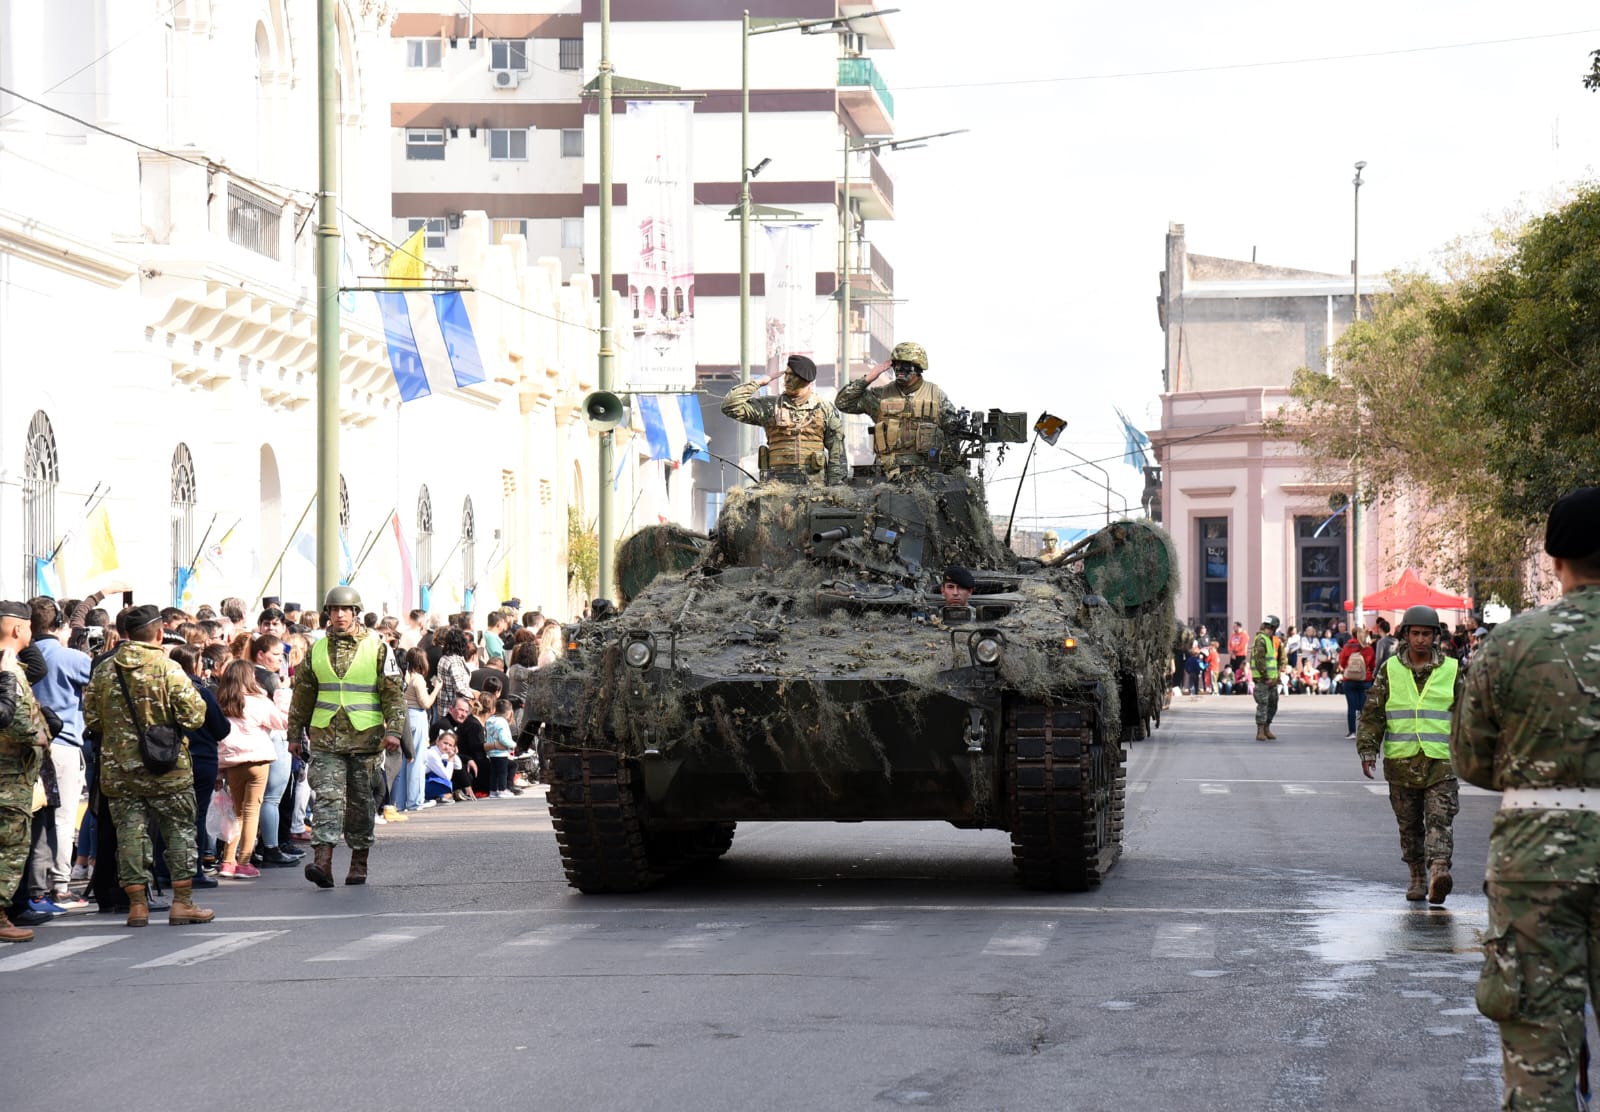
(583, 557)
(1591, 80)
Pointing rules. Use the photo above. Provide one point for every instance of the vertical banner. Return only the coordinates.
(654, 161)
(791, 298)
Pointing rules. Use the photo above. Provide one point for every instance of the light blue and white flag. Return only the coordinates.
(673, 426)
(431, 346)
(1134, 448)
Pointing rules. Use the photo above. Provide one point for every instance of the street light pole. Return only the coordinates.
(1357, 555)
(605, 510)
(328, 562)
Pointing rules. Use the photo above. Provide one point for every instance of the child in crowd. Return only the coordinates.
(441, 763)
(497, 741)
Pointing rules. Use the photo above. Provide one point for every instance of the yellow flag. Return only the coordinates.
(505, 578)
(102, 546)
(405, 265)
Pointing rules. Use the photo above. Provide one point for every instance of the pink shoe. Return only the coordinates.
(228, 868)
(246, 871)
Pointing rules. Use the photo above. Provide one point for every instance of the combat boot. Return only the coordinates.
(1419, 881)
(1261, 733)
(8, 933)
(320, 871)
(1270, 735)
(1439, 882)
(183, 908)
(358, 867)
(138, 905)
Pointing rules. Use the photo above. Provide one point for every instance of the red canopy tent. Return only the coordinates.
(1410, 590)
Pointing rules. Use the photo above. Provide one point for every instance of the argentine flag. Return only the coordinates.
(431, 346)
(673, 426)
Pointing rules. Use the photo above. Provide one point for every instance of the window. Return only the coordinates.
(424, 144)
(184, 555)
(572, 232)
(572, 54)
(344, 506)
(572, 142)
(424, 537)
(508, 54)
(434, 240)
(469, 547)
(1213, 579)
(424, 53)
(508, 144)
(504, 228)
(1319, 566)
(252, 221)
(39, 477)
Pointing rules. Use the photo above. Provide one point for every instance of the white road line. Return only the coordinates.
(375, 944)
(1026, 942)
(1378, 789)
(1184, 940)
(1138, 785)
(1214, 788)
(861, 939)
(702, 938)
(210, 948)
(27, 959)
(551, 935)
(1299, 789)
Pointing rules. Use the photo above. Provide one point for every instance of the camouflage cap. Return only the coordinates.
(907, 352)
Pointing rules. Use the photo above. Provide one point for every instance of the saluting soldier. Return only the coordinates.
(1528, 722)
(24, 741)
(805, 434)
(910, 416)
(349, 697)
(136, 688)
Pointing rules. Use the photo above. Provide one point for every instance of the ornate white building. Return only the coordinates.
(157, 325)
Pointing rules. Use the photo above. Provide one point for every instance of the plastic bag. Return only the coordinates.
(222, 823)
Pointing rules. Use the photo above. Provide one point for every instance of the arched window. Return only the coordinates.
(469, 547)
(677, 301)
(40, 473)
(183, 540)
(424, 537)
(344, 507)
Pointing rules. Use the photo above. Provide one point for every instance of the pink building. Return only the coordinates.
(1255, 532)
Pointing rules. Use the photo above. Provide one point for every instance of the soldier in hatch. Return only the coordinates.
(805, 435)
(910, 416)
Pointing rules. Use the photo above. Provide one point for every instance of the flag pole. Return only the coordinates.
(328, 340)
(293, 533)
(372, 544)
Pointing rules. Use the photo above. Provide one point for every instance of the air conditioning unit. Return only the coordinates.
(507, 79)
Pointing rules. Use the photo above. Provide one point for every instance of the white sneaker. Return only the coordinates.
(429, 803)
(379, 820)
(80, 872)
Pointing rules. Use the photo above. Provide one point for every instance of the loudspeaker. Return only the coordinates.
(603, 410)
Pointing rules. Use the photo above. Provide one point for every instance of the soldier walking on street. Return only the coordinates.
(1266, 661)
(349, 697)
(805, 434)
(1530, 716)
(1408, 716)
(24, 741)
(910, 416)
(135, 689)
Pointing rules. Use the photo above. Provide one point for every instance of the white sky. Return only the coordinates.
(1028, 250)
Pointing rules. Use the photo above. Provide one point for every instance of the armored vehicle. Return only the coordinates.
(800, 663)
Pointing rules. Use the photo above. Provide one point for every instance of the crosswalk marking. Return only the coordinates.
(375, 944)
(1214, 789)
(1023, 942)
(1138, 785)
(1299, 789)
(210, 948)
(28, 958)
(1184, 940)
(551, 934)
(860, 939)
(703, 937)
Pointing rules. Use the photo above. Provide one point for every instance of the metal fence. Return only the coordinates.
(253, 221)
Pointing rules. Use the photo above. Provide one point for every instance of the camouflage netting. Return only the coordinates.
(834, 627)
(656, 550)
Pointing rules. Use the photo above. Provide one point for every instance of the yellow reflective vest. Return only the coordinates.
(356, 692)
(1271, 674)
(1418, 721)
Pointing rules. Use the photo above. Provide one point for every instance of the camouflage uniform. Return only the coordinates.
(1422, 790)
(161, 692)
(855, 397)
(1530, 718)
(24, 740)
(1266, 690)
(345, 762)
(799, 416)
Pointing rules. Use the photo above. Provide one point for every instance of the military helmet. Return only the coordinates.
(1270, 620)
(908, 352)
(342, 596)
(1051, 536)
(1419, 616)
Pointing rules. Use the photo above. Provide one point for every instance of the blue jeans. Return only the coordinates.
(1355, 697)
(277, 780)
(416, 769)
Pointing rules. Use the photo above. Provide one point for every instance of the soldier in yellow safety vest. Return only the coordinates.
(349, 698)
(1266, 662)
(1408, 716)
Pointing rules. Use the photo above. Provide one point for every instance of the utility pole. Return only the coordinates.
(328, 562)
(1357, 579)
(603, 523)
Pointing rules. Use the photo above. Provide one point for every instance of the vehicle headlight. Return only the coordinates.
(640, 651)
(986, 647)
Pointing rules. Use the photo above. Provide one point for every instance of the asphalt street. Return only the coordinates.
(1252, 950)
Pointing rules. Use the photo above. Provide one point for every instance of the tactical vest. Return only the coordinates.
(908, 424)
(356, 691)
(1271, 675)
(1418, 721)
(795, 437)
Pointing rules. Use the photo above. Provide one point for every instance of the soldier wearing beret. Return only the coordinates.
(958, 585)
(24, 741)
(1527, 727)
(805, 434)
(910, 416)
(136, 688)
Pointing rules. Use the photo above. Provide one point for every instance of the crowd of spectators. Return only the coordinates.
(467, 735)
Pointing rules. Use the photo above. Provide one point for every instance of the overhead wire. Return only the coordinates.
(110, 50)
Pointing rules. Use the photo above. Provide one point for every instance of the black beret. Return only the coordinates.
(15, 610)
(292, 606)
(512, 604)
(139, 617)
(270, 601)
(804, 367)
(1573, 531)
(961, 577)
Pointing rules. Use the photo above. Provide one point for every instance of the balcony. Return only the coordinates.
(871, 187)
(863, 94)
